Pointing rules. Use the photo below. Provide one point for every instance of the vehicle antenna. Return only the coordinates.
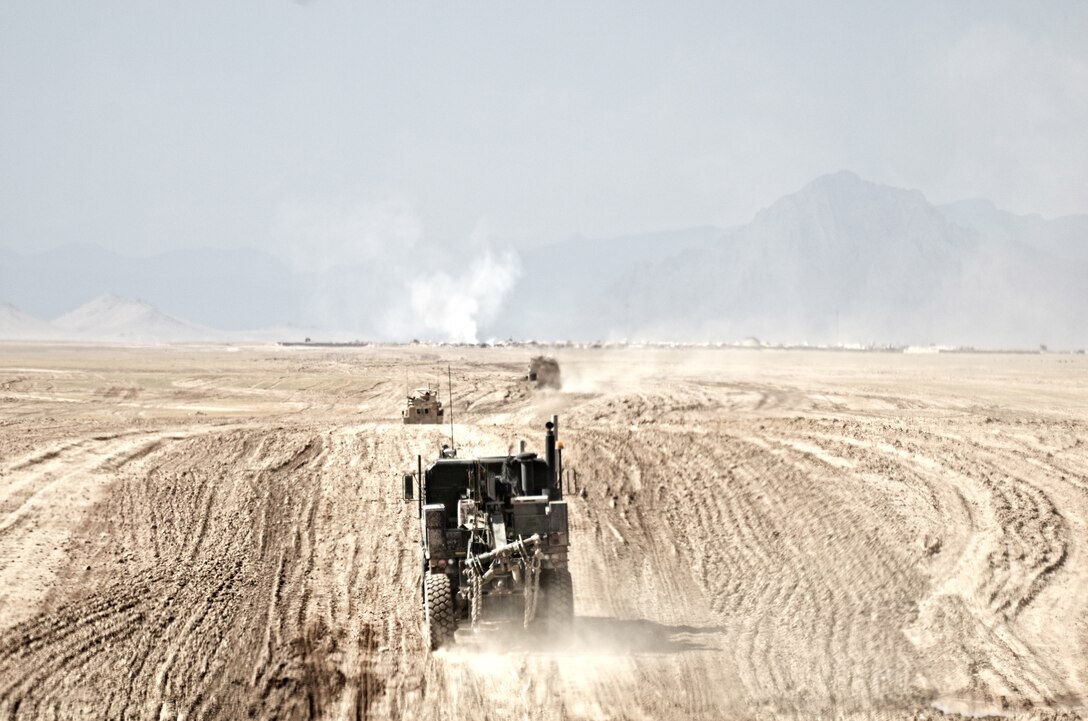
(449, 376)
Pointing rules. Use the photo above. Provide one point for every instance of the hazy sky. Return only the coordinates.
(351, 126)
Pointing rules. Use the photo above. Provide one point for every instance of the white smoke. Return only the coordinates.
(454, 306)
(369, 270)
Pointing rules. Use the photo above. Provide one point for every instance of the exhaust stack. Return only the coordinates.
(549, 452)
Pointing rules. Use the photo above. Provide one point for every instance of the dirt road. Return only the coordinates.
(198, 533)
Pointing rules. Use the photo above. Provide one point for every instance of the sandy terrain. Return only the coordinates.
(215, 533)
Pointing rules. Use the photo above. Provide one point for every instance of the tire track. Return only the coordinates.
(752, 544)
(205, 593)
(1006, 564)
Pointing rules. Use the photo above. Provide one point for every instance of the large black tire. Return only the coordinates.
(438, 612)
(556, 605)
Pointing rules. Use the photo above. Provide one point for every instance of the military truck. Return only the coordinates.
(493, 541)
(543, 371)
(423, 407)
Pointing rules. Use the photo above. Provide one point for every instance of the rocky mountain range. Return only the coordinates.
(842, 260)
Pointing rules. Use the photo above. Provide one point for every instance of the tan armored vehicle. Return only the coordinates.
(423, 407)
(543, 371)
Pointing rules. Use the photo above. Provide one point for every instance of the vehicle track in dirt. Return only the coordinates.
(754, 537)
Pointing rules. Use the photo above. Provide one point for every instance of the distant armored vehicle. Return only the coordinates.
(423, 407)
(543, 371)
(494, 541)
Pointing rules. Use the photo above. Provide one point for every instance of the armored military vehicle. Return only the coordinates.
(423, 407)
(543, 371)
(494, 541)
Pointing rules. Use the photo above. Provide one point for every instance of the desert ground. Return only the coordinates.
(217, 532)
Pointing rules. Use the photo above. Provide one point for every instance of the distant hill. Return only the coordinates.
(232, 289)
(111, 318)
(567, 289)
(847, 260)
(1065, 237)
(841, 260)
(15, 324)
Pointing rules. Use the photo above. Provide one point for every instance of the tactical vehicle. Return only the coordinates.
(543, 371)
(423, 407)
(494, 541)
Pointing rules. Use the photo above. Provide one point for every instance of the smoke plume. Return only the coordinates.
(369, 270)
(454, 306)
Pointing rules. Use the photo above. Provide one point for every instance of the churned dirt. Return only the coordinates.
(192, 533)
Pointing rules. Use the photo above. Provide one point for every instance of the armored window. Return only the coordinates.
(426, 410)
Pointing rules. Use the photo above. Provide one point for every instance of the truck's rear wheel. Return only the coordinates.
(558, 598)
(438, 610)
